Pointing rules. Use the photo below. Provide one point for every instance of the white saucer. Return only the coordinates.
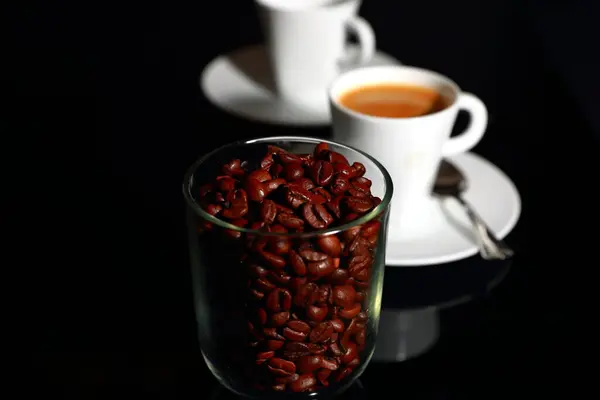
(239, 83)
(493, 196)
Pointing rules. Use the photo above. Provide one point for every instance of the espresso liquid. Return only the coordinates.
(394, 100)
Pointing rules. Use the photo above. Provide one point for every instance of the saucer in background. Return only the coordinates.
(448, 235)
(239, 83)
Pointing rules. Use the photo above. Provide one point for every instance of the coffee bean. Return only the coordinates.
(290, 221)
(344, 295)
(359, 205)
(321, 332)
(307, 364)
(256, 190)
(293, 171)
(303, 384)
(321, 268)
(268, 211)
(321, 172)
(316, 216)
(330, 245)
(280, 367)
(279, 299)
(317, 313)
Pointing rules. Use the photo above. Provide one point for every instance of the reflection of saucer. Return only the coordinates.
(239, 83)
(354, 392)
(449, 236)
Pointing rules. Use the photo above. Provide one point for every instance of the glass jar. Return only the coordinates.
(283, 313)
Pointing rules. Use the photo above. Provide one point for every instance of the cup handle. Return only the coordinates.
(474, 132)
(366, 39)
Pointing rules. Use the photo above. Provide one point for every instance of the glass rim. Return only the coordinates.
(191, 201)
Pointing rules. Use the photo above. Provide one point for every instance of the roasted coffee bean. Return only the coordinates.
(274, 344)
(321, 172)
(358, 169)
(279, 300)
(330, 245)
(317, 313)
(280, 367)
(370, 228)
(293, 171)
(264, 356)
(264, 285)
(312, 256)
(350, 312)
(256, 190)
(329, 364)
(268, 211)
(321, 268)
(287, 158)
(226, 183)
(338, 325)
(319, 191)
(334, 206)
(344, 295)
(359, 205)
(321, 332)
(360, 337)
(279, 278)
(304, 383)
(256, 271)
(307, 364)
(272, 333)
(280, 318)
(272, 260)
(290, 221)
(319, 149)
(316, 216)
(358, 267)
(323, 376)
(279, 245)
(339, 184)
(273, 184)
(350, 354)
(338, 276)
(299, 326)
(260, 175)
(267, 162)
(233, 168)
(306, 295)
(296, 195)
(297, 263)
(295, 350)
(287, 379)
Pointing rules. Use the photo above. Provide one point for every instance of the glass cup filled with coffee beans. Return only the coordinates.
(287, 244)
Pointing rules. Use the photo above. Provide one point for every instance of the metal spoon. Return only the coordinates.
(451, 182)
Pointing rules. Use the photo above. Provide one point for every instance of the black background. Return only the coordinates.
(108, 114)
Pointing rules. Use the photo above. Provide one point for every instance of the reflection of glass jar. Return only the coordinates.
(287, 312)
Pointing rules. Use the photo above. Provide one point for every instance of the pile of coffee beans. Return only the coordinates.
(306, 307)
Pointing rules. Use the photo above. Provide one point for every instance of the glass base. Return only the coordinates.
(406, 334)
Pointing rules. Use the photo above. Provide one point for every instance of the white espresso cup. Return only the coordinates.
(410, 148)
(306, 45)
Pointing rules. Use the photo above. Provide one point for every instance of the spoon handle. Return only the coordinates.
(490, 247)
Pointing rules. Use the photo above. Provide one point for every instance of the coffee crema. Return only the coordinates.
(392, 100)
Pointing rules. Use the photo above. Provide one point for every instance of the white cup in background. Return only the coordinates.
(306, 43)
(410, 148)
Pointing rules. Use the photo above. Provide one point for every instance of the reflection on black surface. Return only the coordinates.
(355, 392)
(441, 285)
